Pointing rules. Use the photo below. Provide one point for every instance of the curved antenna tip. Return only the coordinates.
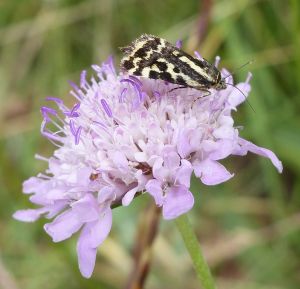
(242, 94)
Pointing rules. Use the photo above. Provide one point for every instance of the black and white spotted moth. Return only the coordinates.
(153, 57)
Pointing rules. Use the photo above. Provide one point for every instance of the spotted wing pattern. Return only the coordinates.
(153, 57)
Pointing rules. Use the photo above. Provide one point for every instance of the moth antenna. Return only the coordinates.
(242, 94)
(239, 68)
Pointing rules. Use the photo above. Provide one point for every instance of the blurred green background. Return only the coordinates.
(249, 227)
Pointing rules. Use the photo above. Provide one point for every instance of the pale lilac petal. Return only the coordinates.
(128, 197)
(106, 194)
(249, 146)
(86, 254)
(183, 146)
(86, 209)
(179, 200)
(159, 171)
(54, 166)
(226, 120)
(155, 132)
(53, 194)
(224, 132)
(227, 74)
(42, 199)
(32, 185)
(140, 186)
(211, 172)
(153, 187)
(83, 176)
(120, 160)
(224, 148)
(183, 175)
(171, 160)
(92, 235)
(100, 230)
(209, 146)
(63, 226)
(80, 176)
(141, 157)
(236, 97)
(57, 207)
(30, 215)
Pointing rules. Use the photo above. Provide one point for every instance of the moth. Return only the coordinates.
(153, 57)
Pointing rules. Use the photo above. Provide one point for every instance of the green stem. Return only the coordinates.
(191, 242)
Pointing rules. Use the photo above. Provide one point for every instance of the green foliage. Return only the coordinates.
(249, 226)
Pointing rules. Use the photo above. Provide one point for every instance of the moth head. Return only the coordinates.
(220, 85)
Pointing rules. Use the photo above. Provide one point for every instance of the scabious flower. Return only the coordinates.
(125, 136)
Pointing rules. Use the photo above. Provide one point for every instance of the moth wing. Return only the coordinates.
(141, 53)
(153, 57)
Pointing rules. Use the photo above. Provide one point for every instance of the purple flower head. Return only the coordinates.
(125, 136)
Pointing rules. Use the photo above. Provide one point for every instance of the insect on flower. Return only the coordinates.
(153, 57)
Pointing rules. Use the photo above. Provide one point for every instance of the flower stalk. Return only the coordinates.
(147, 231)
(191, 242)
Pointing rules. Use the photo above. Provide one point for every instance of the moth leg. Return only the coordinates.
(205, 95)
(178, 87)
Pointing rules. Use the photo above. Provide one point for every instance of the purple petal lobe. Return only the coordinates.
(86, 253)
(183, 175)
(211, 172)
(224, 132)
(224, 149)
(171, 160)
(32, 184)
(57, 207)
(179, 200)
(106, 194)
(153, 187)
(128, 197)
(29, 215)
(86, 209)
(249, 146)
(92, 235)
(63, 226)
(100, 230)
(183, 146)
